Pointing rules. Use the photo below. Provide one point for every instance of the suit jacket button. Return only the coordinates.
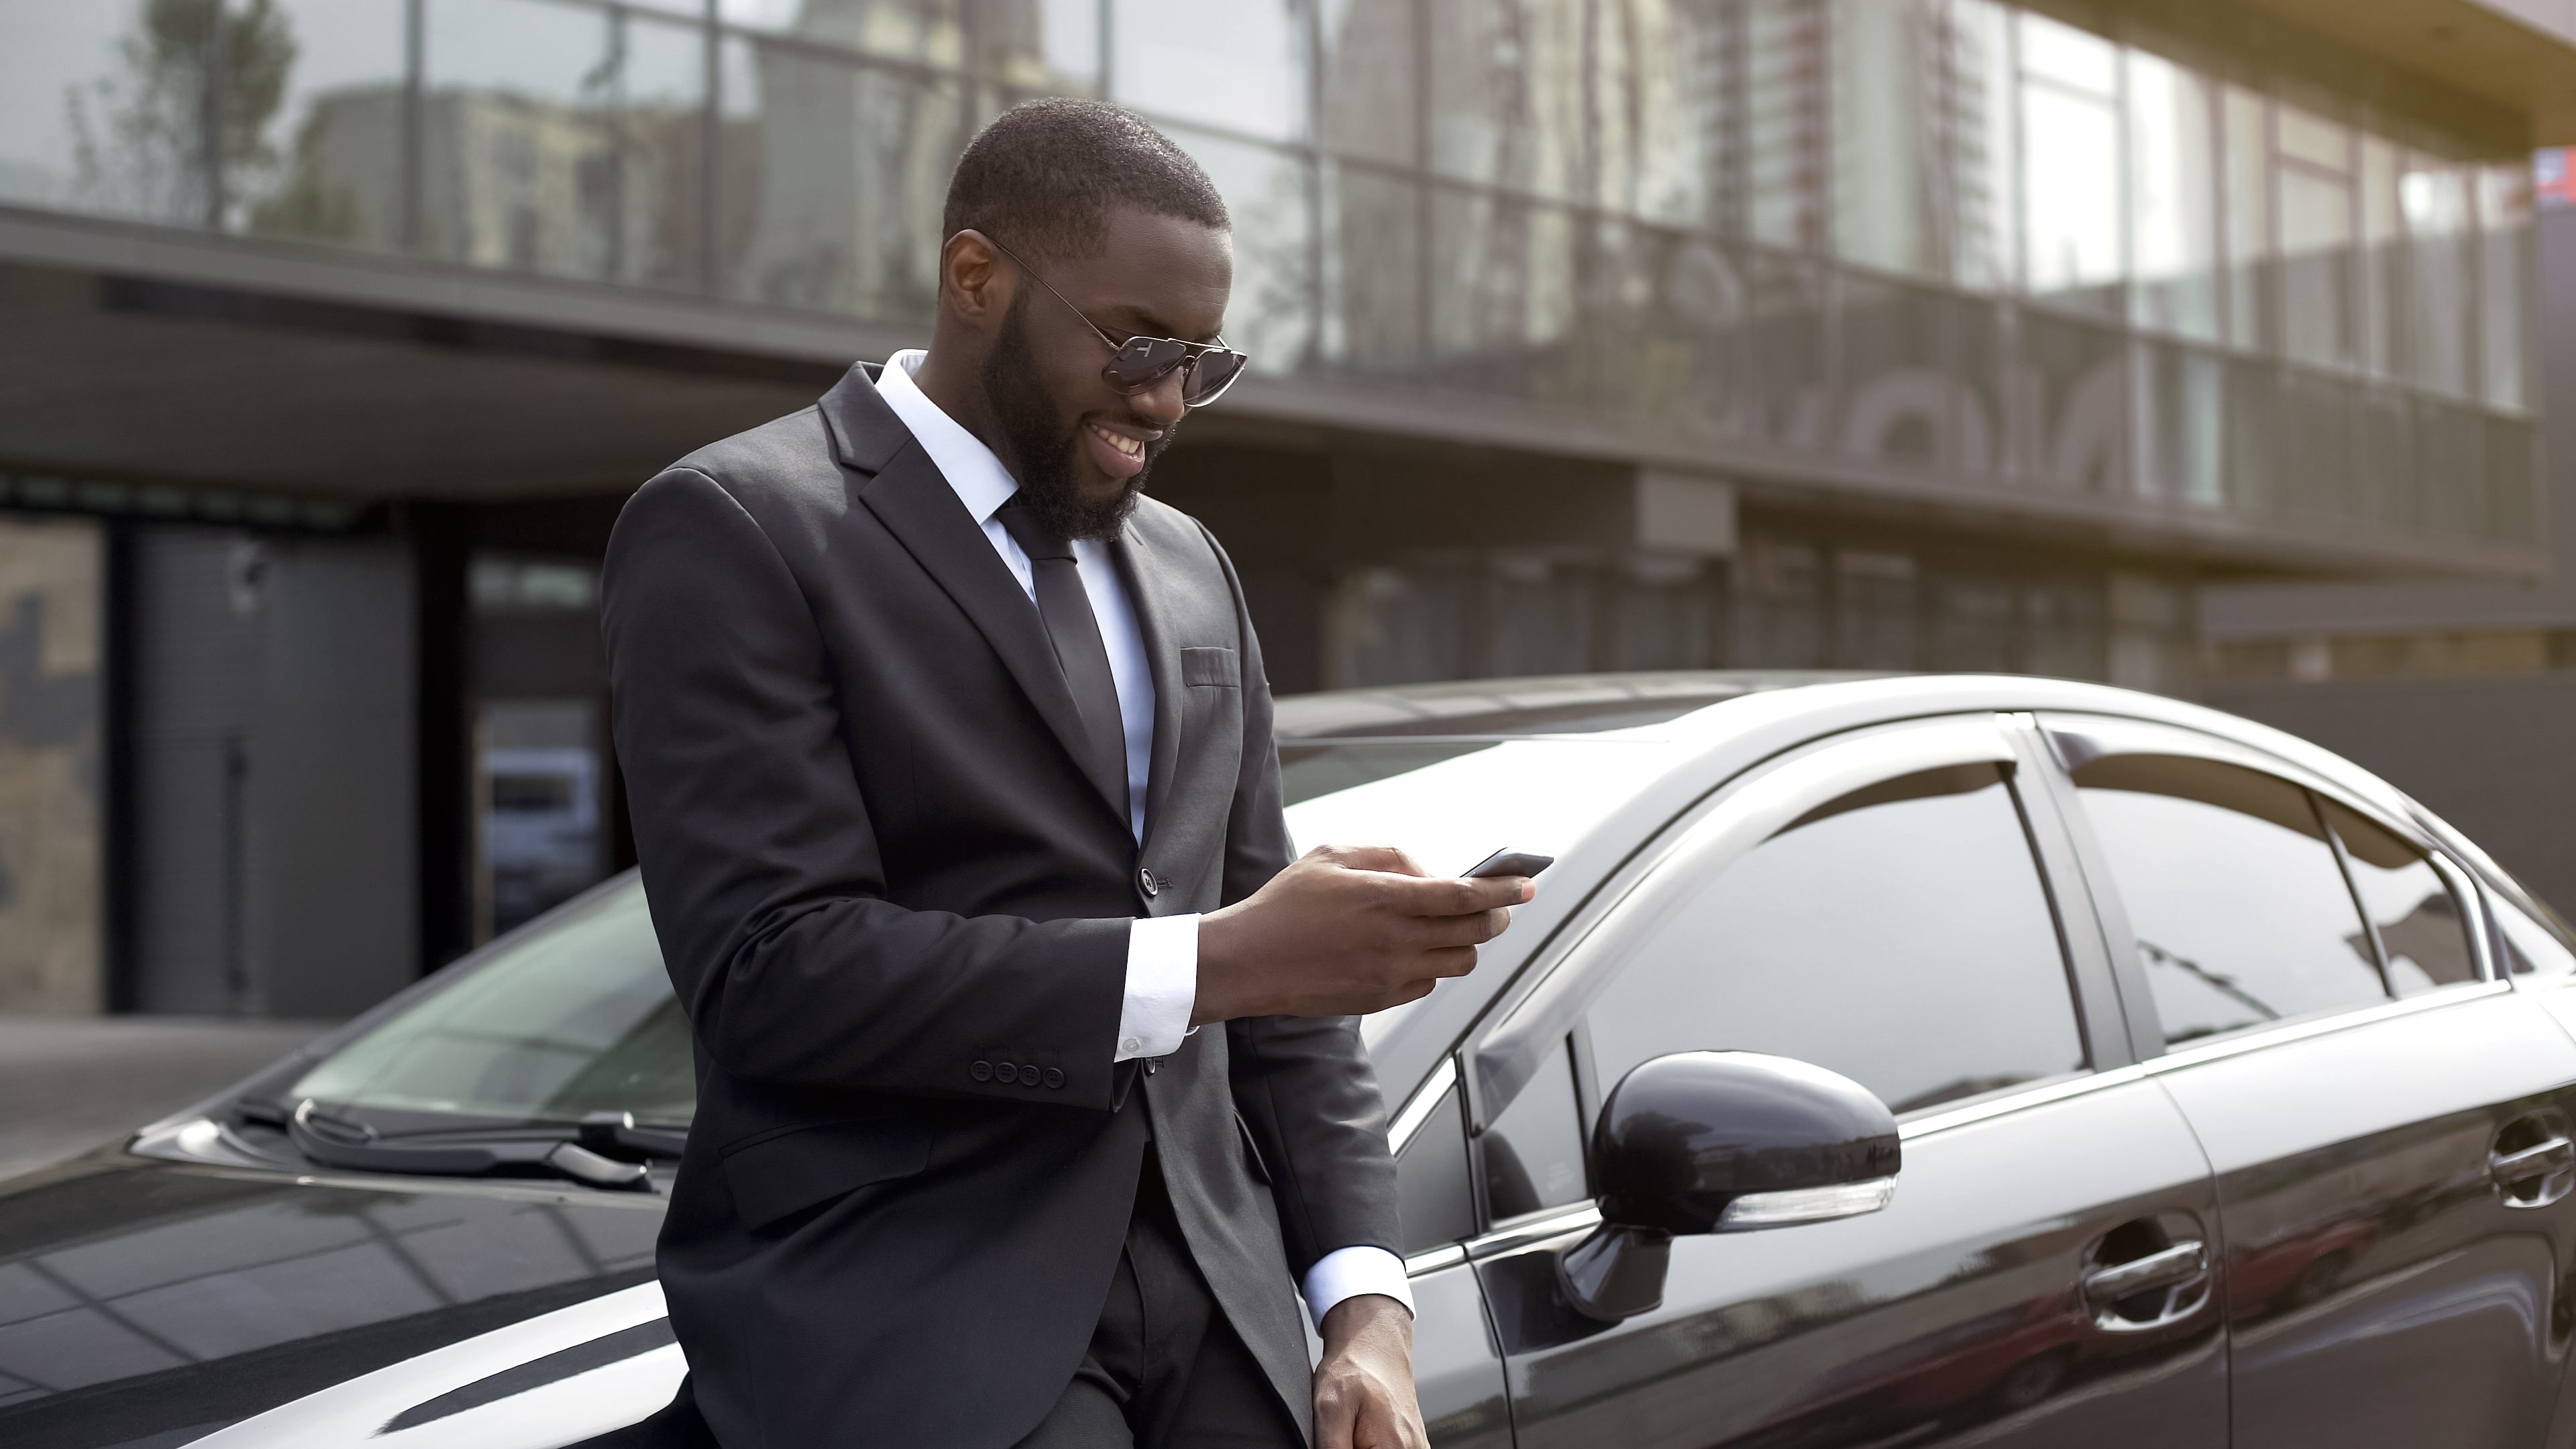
(981, 1071)
(1151, 886)
(1054, 1078)
(1028, 1076)
(1007, 1072)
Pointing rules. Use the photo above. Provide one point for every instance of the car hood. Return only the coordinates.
(148, 1303)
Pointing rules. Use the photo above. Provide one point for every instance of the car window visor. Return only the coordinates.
(606, 1149)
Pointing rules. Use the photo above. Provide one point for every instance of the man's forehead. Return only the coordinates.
(1159, 273)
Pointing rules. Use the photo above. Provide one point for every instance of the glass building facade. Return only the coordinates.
(1878, 241)
(1588, 334)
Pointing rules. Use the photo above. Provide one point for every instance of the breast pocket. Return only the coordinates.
(1212, 665)
(787, 1172)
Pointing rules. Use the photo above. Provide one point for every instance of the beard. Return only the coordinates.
(1044, 444)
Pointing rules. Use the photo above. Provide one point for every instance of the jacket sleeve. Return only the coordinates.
(1303, 1083)
(759, 860)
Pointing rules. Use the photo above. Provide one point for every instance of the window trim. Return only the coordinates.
(2137, 736)
(1749, 811)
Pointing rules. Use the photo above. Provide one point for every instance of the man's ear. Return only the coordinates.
(973, 283)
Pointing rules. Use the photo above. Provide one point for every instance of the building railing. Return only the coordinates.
(1944, 238)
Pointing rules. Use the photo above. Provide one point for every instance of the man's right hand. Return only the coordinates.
(1344, 931)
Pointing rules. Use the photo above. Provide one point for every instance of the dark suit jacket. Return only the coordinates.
(897, 911)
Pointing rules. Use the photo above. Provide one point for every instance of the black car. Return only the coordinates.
(1935, 1060)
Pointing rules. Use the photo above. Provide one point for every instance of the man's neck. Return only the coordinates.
(956, 386)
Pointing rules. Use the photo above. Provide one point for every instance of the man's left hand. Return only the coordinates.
(1364, 1386)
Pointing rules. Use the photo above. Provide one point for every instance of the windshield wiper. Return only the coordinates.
(605, 1150)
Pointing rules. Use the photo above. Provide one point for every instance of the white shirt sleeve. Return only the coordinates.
(1162, 986)
(1350, 1272)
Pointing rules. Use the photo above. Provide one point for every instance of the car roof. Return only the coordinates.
(1537, 704)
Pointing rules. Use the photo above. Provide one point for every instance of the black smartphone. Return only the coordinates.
(1506, 862)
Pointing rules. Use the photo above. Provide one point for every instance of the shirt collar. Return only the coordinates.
(980, 480)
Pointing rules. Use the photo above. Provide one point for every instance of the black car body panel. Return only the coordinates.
(2365, 1218)
(160, 1302)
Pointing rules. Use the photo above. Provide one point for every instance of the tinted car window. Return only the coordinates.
(2241, 915)
(2422, 930)
(1900, 935)
(1534, 1149)
(2532, 946)
(1431, 1179)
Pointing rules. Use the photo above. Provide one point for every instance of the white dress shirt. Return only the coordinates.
(1162, 952)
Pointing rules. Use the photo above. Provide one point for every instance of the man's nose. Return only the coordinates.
(1161, 405)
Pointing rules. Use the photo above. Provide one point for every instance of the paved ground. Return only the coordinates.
(68, 1084)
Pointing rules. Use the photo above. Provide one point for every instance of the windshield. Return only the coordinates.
(574, 1017)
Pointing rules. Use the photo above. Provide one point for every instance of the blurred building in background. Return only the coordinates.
(1588, 334)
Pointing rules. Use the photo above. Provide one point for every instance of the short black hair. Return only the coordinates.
(1041, 179)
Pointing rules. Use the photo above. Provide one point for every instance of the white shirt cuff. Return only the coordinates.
(1350, 1272)
(1162, 986)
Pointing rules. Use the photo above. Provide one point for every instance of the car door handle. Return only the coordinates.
(2537, 1160)
(2533, 1161)
(2163, 1287)
(2170, 1268)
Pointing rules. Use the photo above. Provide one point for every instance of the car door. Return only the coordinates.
(2389, 1126)
(1877, 906)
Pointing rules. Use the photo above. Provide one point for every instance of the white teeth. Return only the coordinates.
(1132, 447)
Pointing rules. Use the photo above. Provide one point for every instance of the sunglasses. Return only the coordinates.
(1207, 369)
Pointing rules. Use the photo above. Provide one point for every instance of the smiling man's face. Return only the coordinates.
(1079, 447)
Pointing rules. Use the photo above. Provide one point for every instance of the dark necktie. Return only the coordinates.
(1066, 610)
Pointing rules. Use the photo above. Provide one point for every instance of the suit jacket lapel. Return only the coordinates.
(1149, 590)
(908, 495)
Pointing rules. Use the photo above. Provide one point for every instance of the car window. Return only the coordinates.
(2532, 945)
(1431, 1179)
(575, 1018)
(1534, 1150)
(2423, 932)
(1900, 935)
(2241, 915)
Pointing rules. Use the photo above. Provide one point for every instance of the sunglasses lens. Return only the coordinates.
(1143, 362)
(1215, 370)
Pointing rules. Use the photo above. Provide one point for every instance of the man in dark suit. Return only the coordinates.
(1029, 1086)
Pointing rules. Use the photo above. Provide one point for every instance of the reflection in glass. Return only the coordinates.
(2180, 408)
(2441, 285)
(561, 140)
(1533, 1151)
(1899, 936)
(1903, 401)
(1366, 80)
(1503, 293)
(1374, 306)
(2531, 947)
(2504, 262)
(2383, 277)
(2071, 203)
(922, 30)
(2317, 215)
(577, 1018)
(2173, 150)
(835, 178)
(332, 144)
(2240, 912)
(1508, 91)
(2420, 925)
(2245, 138)
(1787, 124)
(1920, 181)
(1239, 65)
(1270, 313)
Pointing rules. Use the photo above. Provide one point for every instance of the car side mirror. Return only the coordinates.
(1720, 1142)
